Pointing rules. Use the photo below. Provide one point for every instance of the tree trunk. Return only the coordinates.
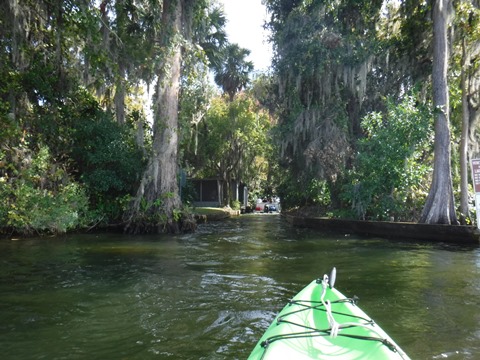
(440, 206)
(153, 209)
(464, 140)
(119, 97)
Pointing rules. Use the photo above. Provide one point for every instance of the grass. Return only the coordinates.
(208, 211)
(212, 213)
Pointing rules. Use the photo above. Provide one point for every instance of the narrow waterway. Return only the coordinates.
(211, 294)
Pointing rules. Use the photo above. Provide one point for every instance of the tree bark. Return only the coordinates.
(159, 185)
(440, 206)
(464, 140)
(119, 97)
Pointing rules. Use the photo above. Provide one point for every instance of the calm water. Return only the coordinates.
(210, 295)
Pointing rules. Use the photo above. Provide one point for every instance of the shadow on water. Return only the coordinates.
(211, 294)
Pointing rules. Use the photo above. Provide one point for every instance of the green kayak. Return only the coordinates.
(321, 323)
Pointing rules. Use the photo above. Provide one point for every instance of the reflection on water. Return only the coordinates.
(210, 295)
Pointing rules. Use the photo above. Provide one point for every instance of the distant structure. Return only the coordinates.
(212, 193)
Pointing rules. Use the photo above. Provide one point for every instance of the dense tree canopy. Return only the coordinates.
(234, 141)
(340, 62)
(344, 121)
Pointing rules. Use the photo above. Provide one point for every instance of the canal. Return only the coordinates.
(211, 294)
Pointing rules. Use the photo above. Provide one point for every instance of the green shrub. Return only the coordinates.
(297, 191)
(107, 161)
(188, 193)
(389, 175)
(38, 211)
(41, 198)
(236, 205)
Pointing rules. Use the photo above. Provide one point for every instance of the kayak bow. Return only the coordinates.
(321, 323)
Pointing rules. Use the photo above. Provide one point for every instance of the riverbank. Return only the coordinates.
(392, 230)
(204, 214)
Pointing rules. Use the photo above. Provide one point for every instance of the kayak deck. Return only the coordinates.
(321, 323)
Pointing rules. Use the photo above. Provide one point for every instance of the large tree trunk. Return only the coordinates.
(440, 206)
(153, 208)
(119, 97)
(464, 140)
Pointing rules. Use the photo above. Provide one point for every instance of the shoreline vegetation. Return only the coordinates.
(366, 126)
(307, 218)
(195, 216)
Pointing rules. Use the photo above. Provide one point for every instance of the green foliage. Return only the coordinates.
(37, 211)
(104, 155)
(177, 215)
(188, 193)
(333, 59)
(324, 51)
(233, 73)
(9, 129)
(236, 205)
(54, 55)
(233, 140)
(390, 173)
(209, 32)
(152, 216)
(40, 197)
(297, 191)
